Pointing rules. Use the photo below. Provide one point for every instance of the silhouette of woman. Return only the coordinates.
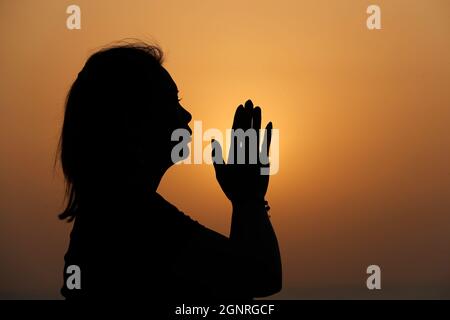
(127, 240)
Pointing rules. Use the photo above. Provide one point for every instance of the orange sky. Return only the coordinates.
(364, 120)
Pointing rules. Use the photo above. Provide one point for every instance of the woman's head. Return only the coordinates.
(120, 114)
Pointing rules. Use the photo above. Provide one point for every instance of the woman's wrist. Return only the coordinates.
(253, 204)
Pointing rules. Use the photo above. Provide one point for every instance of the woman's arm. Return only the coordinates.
(247, 264)
(252, 232)
(244, 180)
(244, 266)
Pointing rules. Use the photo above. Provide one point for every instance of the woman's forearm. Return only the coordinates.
(252, 232)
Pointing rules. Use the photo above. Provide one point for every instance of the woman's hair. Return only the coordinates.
(103, 110)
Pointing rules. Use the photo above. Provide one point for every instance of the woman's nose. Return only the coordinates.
(186, 115)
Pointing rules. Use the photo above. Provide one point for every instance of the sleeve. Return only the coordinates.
(208, 265)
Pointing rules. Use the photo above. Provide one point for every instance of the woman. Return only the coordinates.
(127, 240)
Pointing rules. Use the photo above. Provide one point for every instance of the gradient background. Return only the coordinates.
(364, 119)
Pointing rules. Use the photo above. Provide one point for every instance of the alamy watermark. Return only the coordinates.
(373, 282)
(243, 147)
(73, 21)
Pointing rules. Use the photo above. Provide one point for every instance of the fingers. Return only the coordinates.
(257, 124)
(269, 135)
(266, 144)
(247, 115)
(256, 118)
(238, 115)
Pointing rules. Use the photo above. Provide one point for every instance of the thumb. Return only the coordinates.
(216, 155)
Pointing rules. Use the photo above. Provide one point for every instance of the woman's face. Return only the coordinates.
(178, 117)
(168, 116)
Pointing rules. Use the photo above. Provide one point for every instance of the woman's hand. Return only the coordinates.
(244, 179)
